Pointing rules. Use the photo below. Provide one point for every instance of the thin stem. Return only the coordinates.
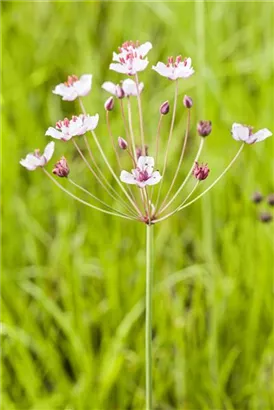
(93, 196)
(187, 177)
(148, 336)
(140, 115)
(114, 175)
(180, 161)
(84, 202)
(96, 176)
(112, 139)
(182, 206)
(124, 117)
(158, 139)
(169, 140)
(131, 129)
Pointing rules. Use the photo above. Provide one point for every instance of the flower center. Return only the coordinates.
(143, 176)
(171, 62)
(71, 80)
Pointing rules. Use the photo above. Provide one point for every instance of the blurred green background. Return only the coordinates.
(73, 279)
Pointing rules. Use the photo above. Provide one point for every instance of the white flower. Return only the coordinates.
(244, 133)
(127, 88)
(143, 175)
(67, 129)
(35, 160)
(74, 87)
(131, 59)
(175, 69)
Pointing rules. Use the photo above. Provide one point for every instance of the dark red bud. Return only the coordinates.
(187, 101)
(270, 199)
(204, 128)
(257, 197)
(122, 143)
(164, 109)
(200, 171)
(119, 92)
(109, 104)
(265, 217)
(61, 168)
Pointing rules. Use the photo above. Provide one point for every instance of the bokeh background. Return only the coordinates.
(73, 279)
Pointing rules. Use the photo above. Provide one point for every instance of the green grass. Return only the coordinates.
(73, 280)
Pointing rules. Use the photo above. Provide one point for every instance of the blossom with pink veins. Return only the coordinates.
(35, 160)
(74, 87)
(131, 59)
(175, 68)
(78, 125)
(127, 88)
(244, 133)
(143, 174)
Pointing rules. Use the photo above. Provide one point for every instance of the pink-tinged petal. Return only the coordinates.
(240, 132)
(52, 132)
(68, 93)
(188, 62)
(128, 178)
(49, 150)
(130, 88)
(83, 85)
(163, 70)
(144, 49)
(141, 184)
(109, 87)
(260, 135)
(91, 122)
(138, 65)
(154, 179)
(119, 68)
(30, 162)
(183, 72)
(145, 161)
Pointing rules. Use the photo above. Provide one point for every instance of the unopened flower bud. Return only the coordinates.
(270, 199)
(200, 171)
(122, 143)
(119, 92)
(204, 128)
(164, 109)
(257, 197)
(265, 217)
(187, 101)
(61, 168)
(109, 104)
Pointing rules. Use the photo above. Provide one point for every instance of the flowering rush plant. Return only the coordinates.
(135, 192)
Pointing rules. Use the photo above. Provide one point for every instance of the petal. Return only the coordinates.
(144, 49)
(261, 135)
(163, 70)
(91, 122)
(68, 93)
(154, 179)
(187, 62)
(83, 86)
(52, 132)
(138, 65)
(129, 87)
(183, 72)
(119, 68)
(109, 87)
(49, 150)
(240, 132)
(128, 178)
(144, 162)
(30, 162)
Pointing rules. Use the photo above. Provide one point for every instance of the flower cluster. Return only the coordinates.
(138, 192)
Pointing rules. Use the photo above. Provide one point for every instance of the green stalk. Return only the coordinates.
(149, 284)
